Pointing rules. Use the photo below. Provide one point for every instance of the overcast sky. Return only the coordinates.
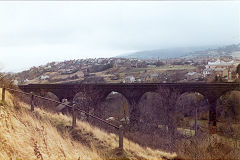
(34, 33)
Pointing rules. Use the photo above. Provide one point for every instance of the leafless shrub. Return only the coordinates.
(87, 100)
(168, 98)
(7, 81)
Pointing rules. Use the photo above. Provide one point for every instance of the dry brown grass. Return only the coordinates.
(44, 135)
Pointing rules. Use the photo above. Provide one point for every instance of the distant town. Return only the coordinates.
(216, 65)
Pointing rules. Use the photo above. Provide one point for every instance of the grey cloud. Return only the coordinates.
(65, 30)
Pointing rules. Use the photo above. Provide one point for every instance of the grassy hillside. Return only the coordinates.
(44, 135)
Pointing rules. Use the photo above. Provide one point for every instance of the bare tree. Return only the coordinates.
(87, 100)
(7, 80)
(168, 103)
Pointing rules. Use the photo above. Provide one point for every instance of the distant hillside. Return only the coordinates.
(163, 53)
(189, 52)
(229, 50)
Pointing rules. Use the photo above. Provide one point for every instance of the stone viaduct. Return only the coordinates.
(134, 91)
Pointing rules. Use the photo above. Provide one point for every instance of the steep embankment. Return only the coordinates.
(44, 135)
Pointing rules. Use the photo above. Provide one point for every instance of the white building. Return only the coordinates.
(26, 80)
(129, 79)
(48, 67)
(220, 64)
(207, 72)
(44, 77)
(154, 77)
(15, 82)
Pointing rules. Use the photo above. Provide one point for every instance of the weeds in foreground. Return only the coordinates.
(44, 135)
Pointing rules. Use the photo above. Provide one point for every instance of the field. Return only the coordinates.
(162, 68)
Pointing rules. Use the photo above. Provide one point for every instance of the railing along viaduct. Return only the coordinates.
(74, 111)
(132, 92)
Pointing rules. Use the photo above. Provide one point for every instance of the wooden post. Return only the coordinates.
(74, 118)
(121, 137)
(32, 103)
(3, 94)
(196, 117)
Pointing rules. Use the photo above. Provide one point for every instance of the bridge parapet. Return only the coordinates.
(132, 92)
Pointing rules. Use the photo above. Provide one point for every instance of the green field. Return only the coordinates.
(162, 68)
